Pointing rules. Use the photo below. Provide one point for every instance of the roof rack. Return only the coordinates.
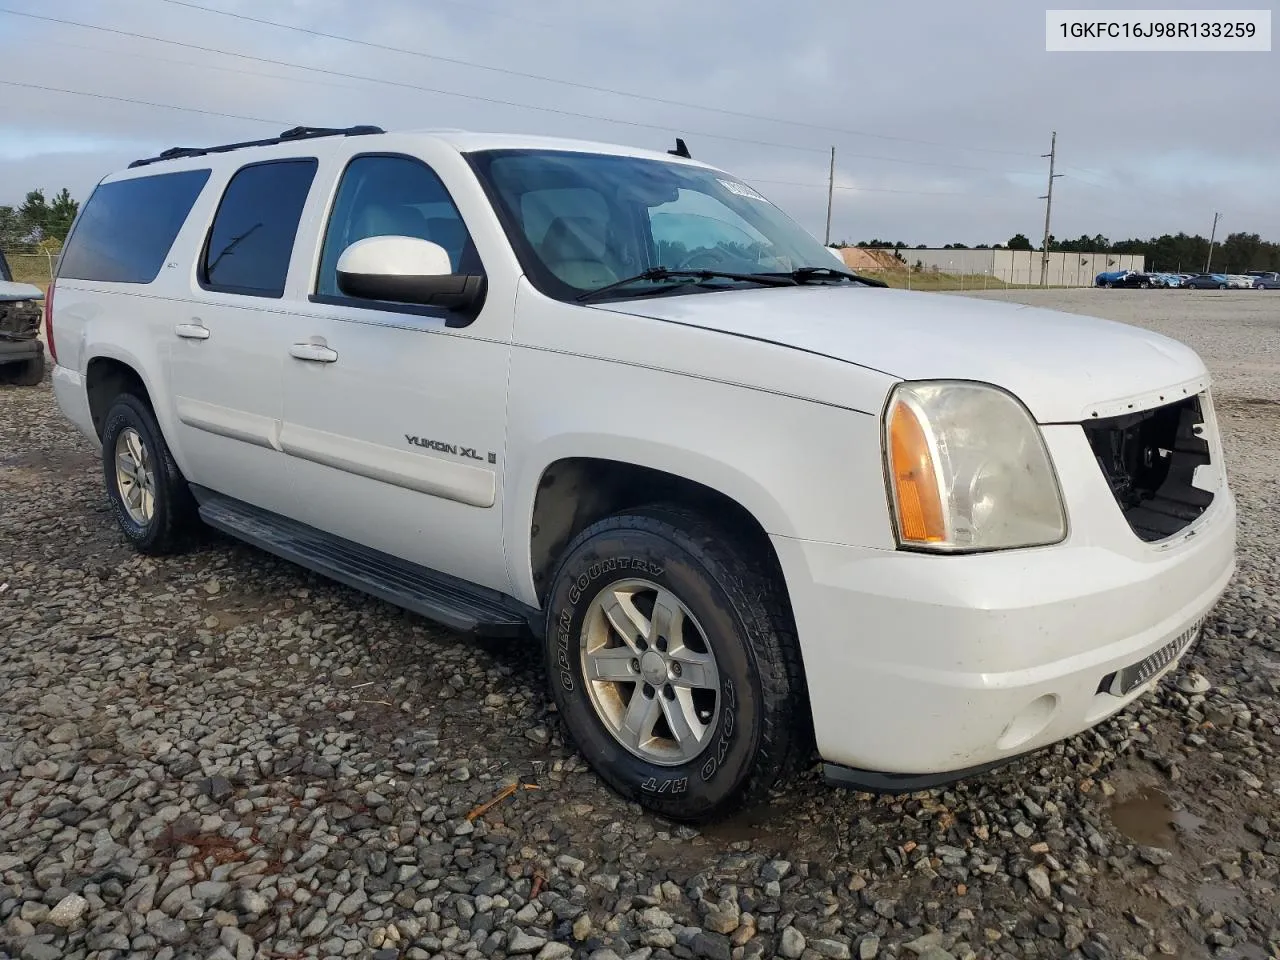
(296, 133)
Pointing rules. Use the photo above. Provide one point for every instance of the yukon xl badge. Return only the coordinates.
(467, 453)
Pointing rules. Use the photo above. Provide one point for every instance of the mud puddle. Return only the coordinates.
(1148, 817)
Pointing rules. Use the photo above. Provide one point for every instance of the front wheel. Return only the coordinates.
(148, 494)
(673, 660)
(1222, 286)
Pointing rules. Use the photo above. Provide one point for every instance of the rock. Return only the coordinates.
(582, 927)
(660, 937)
(64, 733)
(775, 870)
(520, 942)
(69, 910)
(791, 944)
(654, 917)
(713, 946)
(832, 949)
(936, 953)
(166, 929)
(1193, 684)
(868, 947)
(555, 951)
(38, 950)
(921, 944)
(570, 865)
(1038, 881)
(721, 920)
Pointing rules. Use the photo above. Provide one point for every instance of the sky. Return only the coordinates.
(939, 110)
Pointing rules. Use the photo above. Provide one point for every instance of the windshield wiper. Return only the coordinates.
(812, 274)
(692, 276)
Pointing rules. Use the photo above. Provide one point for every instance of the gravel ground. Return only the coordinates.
(222, 756)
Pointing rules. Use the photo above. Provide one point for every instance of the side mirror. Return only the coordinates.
(407, 270)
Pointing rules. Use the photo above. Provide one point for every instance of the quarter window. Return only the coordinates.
(383, 196)
(251, 241)
(126, 228)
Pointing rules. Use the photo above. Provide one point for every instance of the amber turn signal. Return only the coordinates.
(915, 481)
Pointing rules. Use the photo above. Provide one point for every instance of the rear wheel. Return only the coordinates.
(148, 493)
(1222, 286)
(673, 660)
(1109, 284)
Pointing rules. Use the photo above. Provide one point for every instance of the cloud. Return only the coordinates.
(1146, 147)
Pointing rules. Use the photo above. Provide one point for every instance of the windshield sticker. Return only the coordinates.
(741, 190)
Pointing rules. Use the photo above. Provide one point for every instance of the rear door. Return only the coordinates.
(230, 339)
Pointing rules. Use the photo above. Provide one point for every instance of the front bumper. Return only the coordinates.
(920, 664)
(14, 351)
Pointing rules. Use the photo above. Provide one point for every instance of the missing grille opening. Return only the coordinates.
(1150, 460)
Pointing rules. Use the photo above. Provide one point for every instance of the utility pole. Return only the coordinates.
(1048, 207)
(831, 189)
(1212, 233)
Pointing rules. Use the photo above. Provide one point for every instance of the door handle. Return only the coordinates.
(315, 352)
(192, 331)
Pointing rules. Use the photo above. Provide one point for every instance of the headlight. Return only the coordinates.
(968, 470)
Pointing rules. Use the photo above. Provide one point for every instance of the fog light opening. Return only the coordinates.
(1029, 723)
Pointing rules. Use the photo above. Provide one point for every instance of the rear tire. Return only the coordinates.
(148, 493)
(740, 700)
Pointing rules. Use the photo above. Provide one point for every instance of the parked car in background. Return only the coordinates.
(1239, 281)
(1109, 278)
(1207, 281)
(21, 352)
(1166, 280)
(1263, 280)
(1134, 278)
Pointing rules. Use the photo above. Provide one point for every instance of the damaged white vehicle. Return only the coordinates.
(752, 505)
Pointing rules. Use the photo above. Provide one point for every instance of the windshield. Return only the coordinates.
(580, 221)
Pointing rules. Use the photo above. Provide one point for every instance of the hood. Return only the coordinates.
(1063, 366)
(19, 291)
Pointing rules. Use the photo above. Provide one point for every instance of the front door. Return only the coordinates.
(394, 421)
(228, 354)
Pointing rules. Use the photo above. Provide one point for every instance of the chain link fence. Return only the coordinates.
(36, 268)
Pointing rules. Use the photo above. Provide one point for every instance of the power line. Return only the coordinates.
(491, 100)
(838, 186)
(206, 66)
(506, 71)
(144, 103)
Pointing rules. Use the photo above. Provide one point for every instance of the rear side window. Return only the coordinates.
(4, 268)
(251, 240)
(127, 227)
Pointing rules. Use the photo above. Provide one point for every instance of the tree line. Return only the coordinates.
(1235, 253)
(37, 222)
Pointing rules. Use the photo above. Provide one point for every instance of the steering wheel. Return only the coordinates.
(711, 258)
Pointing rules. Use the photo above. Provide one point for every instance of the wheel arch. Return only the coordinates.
(106, 376)
(570, 493)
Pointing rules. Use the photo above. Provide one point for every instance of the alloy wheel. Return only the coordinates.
(135, 476)
(650, 672)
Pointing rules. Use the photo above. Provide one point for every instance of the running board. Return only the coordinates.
(447, 600)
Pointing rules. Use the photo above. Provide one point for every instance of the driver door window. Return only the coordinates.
(393, 196)
(698, 230)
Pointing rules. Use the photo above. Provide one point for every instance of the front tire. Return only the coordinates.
(672, 657)
(148, 493)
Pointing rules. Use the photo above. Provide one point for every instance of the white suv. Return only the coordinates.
(751, 504)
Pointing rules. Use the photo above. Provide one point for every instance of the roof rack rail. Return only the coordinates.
(294, 133)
